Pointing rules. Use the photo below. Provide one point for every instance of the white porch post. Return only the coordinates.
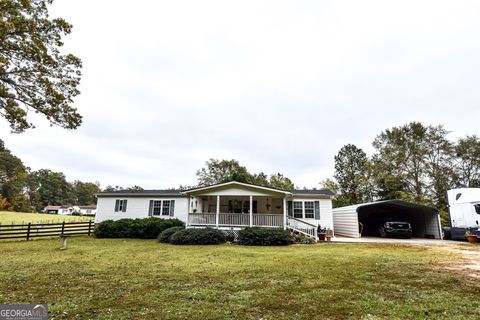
(251, 211)
(284, 213)
(218, 211)
(188, 210)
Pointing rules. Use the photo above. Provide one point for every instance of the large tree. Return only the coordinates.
(13, 175)
(468, 161)
(353, 172)
(439, 163)
(218, 171)
(85, 192)
(400, 161)
(34, 74)
(52, 188)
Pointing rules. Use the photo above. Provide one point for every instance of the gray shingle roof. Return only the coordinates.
(325, 192)
(167, 192)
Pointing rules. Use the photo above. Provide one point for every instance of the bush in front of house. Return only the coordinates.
(165, 235)
(104, 229)
(197, 237)
(76, 213)
(148, 228)
(256, 236)
(302, 239)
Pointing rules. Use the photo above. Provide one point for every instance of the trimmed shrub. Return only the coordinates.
(76, 213)
(257, 236)
(302, 239)
(104, 229)
(165, 235)
(198, 236)
(148, 228)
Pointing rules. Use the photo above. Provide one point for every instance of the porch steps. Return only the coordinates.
(302, 227)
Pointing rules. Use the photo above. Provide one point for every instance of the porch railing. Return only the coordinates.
(235, 219)
(268, 220)
(302, 227)
(202, 219)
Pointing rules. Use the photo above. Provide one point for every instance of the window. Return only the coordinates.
(166, 208)
(89, 211)
(297, 209)
(157, 207)
(120, 205)
(309, 210)
(477, 208)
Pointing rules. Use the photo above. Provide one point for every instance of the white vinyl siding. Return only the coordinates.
(323, 217)
(138, 208)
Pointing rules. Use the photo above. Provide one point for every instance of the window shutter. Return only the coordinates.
(290, 208)
(317, 210)
(116, 205)
(150, 209)
(172, 207)
(125, 205)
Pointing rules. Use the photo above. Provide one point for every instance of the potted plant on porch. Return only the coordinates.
(329, 234)
(321, 233)
(472, 238)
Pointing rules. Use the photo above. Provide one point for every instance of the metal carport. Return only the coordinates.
(425, 220)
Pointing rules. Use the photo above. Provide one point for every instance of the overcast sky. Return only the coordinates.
(280, 86)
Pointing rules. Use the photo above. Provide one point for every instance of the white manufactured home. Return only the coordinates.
(67, 210)
(230, 206)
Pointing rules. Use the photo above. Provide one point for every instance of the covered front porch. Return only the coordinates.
(237, 211)
(235, 204)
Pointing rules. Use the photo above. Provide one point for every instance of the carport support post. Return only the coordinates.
(284, 213)
(218, 211)
(251, 211)
(439, 222)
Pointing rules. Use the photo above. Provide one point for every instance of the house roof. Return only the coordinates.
(167, 192)
(178, 192)
(88, 207)
(53, 207)
(235, 183)
(324, 192)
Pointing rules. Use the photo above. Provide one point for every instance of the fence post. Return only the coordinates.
(89, 226)
(63, 227)
(28, 230)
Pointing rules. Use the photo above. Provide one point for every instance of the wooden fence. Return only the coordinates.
(34, 230)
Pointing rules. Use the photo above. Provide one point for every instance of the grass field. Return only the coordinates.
(142, 279)
(8, 217)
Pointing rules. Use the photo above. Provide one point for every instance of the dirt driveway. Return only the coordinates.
(470, 253)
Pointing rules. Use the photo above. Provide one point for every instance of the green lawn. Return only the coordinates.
(8, 217)
(142, 279)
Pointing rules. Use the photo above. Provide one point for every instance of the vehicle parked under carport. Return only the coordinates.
(366, 219)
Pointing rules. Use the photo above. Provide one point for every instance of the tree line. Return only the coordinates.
(22, 189)
(413, 162)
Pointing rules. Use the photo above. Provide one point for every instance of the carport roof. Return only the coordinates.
(397, 203)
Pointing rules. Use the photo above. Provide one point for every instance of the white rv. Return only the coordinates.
(464, 207)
